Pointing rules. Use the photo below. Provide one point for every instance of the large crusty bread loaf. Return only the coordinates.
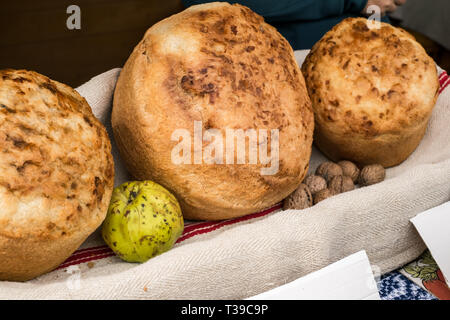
(56, 173)
(372, 92)
(220, 64)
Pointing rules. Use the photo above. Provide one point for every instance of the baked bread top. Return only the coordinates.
(370, 82)
(55, 159)
(220, 64)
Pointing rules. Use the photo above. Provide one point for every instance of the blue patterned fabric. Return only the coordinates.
(395, 286)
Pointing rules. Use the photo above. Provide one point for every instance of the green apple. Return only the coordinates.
(144, 219)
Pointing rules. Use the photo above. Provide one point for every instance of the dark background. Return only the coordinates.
(34, 36)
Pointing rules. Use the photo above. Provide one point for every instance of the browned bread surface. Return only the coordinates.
(223, 65)
(56, 173)
(372, 91)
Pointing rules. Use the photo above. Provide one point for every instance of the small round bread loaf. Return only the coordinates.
(56, 173)
(219, 66)
(372, 91)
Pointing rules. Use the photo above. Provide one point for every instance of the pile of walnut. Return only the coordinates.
(331, 179)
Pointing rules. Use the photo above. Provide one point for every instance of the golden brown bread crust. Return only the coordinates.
(223, 65)
(372, 92)
(57, 173)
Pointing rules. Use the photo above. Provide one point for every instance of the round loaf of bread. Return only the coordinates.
(220, 69)
(372, 91)
(56, 173)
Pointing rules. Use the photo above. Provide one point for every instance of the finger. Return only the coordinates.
(391, 8)
(400, 2)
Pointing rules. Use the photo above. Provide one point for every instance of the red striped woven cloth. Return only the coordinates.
(444, 81)
(192, 229)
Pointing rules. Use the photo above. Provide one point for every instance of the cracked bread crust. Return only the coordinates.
(56, 173)
(372, 91)
(223, 65)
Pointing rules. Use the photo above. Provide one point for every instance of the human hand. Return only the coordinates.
(384, 5)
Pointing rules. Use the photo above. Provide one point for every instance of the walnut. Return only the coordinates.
(322, 195)
(372, 174)
(350, 170)
(301, 198)
(339, 184)
(315, 183)
(328, 170)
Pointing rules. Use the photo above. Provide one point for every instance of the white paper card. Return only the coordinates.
(433, 226)
(348, 279)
